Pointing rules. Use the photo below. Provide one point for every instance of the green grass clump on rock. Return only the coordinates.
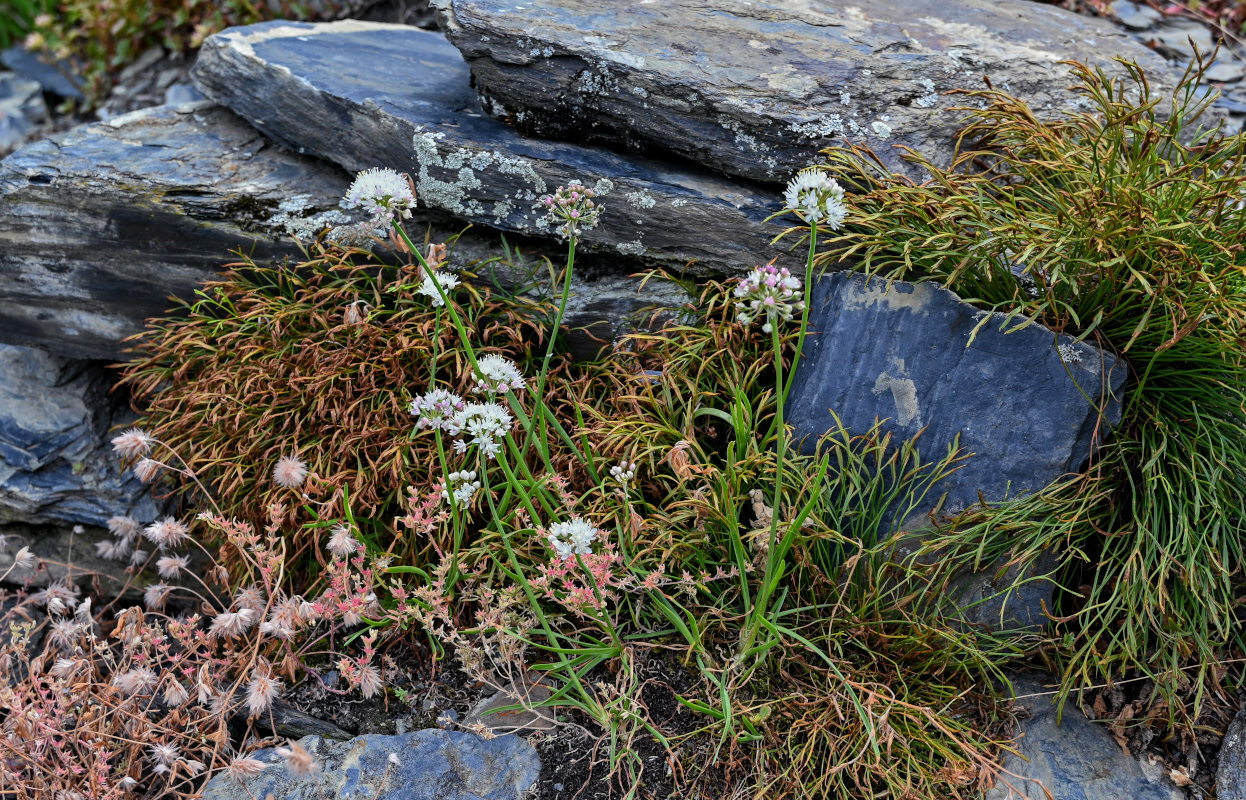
(1123, 225)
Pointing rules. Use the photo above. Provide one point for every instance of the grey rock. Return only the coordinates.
(432, 765)
(758, 89)
(22, 110)
(57, 77)
(1227, 69)
(101, 224)
(56, 462)
(325, 89)
(527, 693)
(1134, 16)
(1017, 401)
(1180, 37)
(1231, 774)
(1073, 759)
(180, 94)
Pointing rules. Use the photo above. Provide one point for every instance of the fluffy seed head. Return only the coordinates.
(171, 566)
(155, 596)
(133, 443)
(147, 469)
(167, 533)
(261, 692)
(242, 768)
(342, 544)
(233, 623)
(299, 762)
(290, 472)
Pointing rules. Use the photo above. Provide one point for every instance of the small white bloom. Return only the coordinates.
(382, 193)
(624, 471)
(436, 408)
(498, 375)
(485, 424)
(461, 486)
(817, 197)
(572, 538)
(448, 281)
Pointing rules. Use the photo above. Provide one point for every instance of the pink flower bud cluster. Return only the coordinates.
(769, 293)
(573, 208)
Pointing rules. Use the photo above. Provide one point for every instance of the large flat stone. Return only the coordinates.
(365, 94)
(100, 225)
(758, 88)
(431, 765)
(1019, 402)
(1072, 758)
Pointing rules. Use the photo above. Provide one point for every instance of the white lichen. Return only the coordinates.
(930, 98)
(881, 129)
(640, 199)
(1069, 354)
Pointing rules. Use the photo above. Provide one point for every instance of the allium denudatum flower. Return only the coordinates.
(816, 197)
(573, 208)
(769, 293)
(483, 425)
(383, 193)
(461, 486)
(572, 538)
(498, 375)
(436, 409)
(448, 281)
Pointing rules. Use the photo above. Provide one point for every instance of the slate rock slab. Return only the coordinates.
(1231, 774)
(757, 89)
(57, 77)
(1018, 402)
(101, 224)
(364, 94)
(433, 765)
(1074, 759)
(56, 461)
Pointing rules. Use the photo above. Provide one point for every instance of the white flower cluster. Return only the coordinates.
(498, 375)
(383, 193)
(771, 293)
(624, 471)
(461, 486)
(484, 424)
(436, 408)
(572, 208)
(572, 538)
(448, 281)
(817, 197)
